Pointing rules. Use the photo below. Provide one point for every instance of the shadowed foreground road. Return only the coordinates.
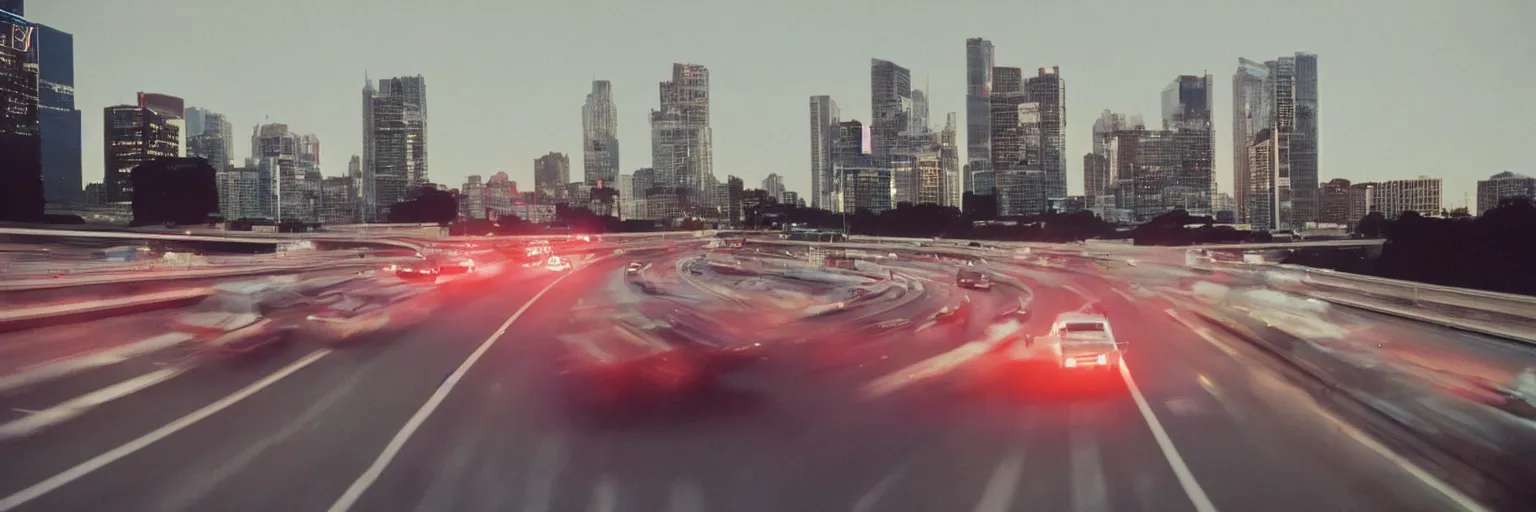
(404, 422)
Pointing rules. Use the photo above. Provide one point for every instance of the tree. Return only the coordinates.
(1374, 225)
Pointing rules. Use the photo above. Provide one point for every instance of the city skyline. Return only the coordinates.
(759, 98)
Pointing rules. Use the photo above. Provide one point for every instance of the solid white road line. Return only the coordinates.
(998, 497)
(391, 450)
(74, 365)
(73, 407)
(1088, 488)
(1180, 470)
(25, 495)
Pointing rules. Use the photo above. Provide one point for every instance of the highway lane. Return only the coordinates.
(776, 437)
(298, 434)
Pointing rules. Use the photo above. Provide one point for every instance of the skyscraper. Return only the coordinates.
(774, 185)
(58, 120)
(890, 94)
(919, 119)
(275, 151)
(681, 141)
(978, 110)
(173, 110)
(1050, 91)
(394, 142)
(133, 135)
(1250, 114)
(600, 130)
(551, 175)
(949, 163)
(1280, 98)
(1187, 115)
(824, 120)
(21, 166)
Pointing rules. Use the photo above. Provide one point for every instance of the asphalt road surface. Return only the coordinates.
(464, 412)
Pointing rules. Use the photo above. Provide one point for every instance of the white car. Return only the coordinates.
(557, 264)
(634, 268)
(1085, 341)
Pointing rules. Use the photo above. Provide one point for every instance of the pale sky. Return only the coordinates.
(1407, 87)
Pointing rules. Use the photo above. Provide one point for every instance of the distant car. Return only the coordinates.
(634, 268)
(973, 279)
(973, 244)
(241, 316)
(557, 264)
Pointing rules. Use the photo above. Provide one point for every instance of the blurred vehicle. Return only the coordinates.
(245, 315)
(1084, 342)
(634, 268)
(369, 310)
(557, 264)
(948, 314)
(622, 367)
(417, 272)
(1021, 312)
(973, 279)
(721, 345)
(973, 244)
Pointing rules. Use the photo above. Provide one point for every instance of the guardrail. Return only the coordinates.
(203, 273)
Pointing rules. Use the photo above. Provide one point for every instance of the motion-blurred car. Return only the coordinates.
(1084, 342)
(972, 279)
(241, 316)
(557, 264)
(369, 310)
(634, 268)
(621, 367)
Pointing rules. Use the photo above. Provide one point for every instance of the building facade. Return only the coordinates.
(551, 173)
(1422, 195)
(134, 135)
(682, 149)
(1333, 202)
(394, 159)
(890, 94)
(824, 121)
(58, 119)
(600, 135)
(21, 168)
(1500, 186)
(979, 60)
(1276, 105)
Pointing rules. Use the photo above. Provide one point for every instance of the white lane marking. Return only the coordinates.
(547, 464)
(73, 407)
(1180, 470)
(1078, 291)
(605, 497)
(193, 489)
(998, 497)
(867, 502)
(74, 365)
(1462, 501)
(36, 490)
(686, 496)
(1123, 293)
(1202, 332)
(391, 450)
(1088, 488)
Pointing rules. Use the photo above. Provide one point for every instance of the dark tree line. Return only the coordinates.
(1492, 252)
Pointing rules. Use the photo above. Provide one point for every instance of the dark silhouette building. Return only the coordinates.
(174, 190)
(134, 135)
(21, 164)
(57, 119)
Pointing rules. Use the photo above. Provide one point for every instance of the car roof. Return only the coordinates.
(1080, 317)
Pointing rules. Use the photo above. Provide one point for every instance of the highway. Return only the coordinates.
(465, 410)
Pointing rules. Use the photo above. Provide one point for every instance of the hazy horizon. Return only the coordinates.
(506, 81)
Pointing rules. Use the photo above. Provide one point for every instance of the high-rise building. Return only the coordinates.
(1362, 201)
(243, 193)
(824, 121)
(890, 93)
(134, 135)
(211, 138)
(1500, 186)
(58, 120)
(1095, 178)
(1279, 96)
(866, 185)
(978, 109)
(681, 145)
(733, 192)
(173, 110)
(1049, 90)
(919, 119)
(949, 164)
(1333, 201)
(21, 145)
(275, 153)
(849, 149)
(1187, 116)
(793, 199)
(551, 174)
(1007, 80)
(774, 185)
(1250, 114)
(394, 158)
(338, 200)
(600, 135)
